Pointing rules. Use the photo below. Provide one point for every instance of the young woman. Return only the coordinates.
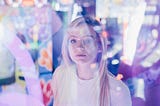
(83, 79)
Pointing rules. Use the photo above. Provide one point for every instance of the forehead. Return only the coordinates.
(81, 30)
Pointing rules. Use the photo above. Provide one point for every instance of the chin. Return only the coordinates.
(83, 62)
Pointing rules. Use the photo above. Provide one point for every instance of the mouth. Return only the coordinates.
(81, 55)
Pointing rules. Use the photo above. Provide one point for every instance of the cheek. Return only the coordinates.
(92, 49)
(92, 52)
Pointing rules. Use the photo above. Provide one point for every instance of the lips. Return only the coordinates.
(81, 55)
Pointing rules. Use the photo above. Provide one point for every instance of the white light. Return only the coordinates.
(110, 54)
(146, 64)
(22, 46)
(105, 56)
(115, 61)
(118, 47)
(132, 32)
(118, 88)
(152, 58)
(40, 3)
(151, 8)
(5, 33)
(57, 7)
(155, 33)
(158, 52)
(76, 10)
(103, 21)
(156, 20)
(1, 32)
(14, 3)
(97, 28)
(139, 88)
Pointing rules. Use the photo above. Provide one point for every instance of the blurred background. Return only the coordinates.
(132, 28)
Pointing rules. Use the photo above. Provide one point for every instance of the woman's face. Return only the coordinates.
(82, 45)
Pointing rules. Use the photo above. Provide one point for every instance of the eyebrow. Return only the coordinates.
(73, 36)
(82, 36)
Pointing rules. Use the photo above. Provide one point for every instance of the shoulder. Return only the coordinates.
(114, 83)
(117, 85)
(57, 77)
(59, 71)
(62, 71)
(119, 91)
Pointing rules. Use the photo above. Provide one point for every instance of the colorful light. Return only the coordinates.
(131, 33)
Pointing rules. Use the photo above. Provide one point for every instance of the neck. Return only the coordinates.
(86, 72)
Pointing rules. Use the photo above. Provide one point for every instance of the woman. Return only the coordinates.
(82, 79)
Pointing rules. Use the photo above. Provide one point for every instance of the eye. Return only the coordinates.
(88, 41)
(72, 41)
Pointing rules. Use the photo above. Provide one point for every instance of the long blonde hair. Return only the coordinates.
(104, 98)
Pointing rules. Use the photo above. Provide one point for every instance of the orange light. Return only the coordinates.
(119, 76)
(104, 34)
(27, 2)
(98, 19)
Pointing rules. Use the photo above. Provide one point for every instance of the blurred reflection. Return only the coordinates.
(142, 77)
(7, 64)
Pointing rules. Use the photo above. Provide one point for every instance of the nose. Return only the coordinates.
(81, 45)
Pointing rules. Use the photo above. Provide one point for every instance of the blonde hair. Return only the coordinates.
(104, 98)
